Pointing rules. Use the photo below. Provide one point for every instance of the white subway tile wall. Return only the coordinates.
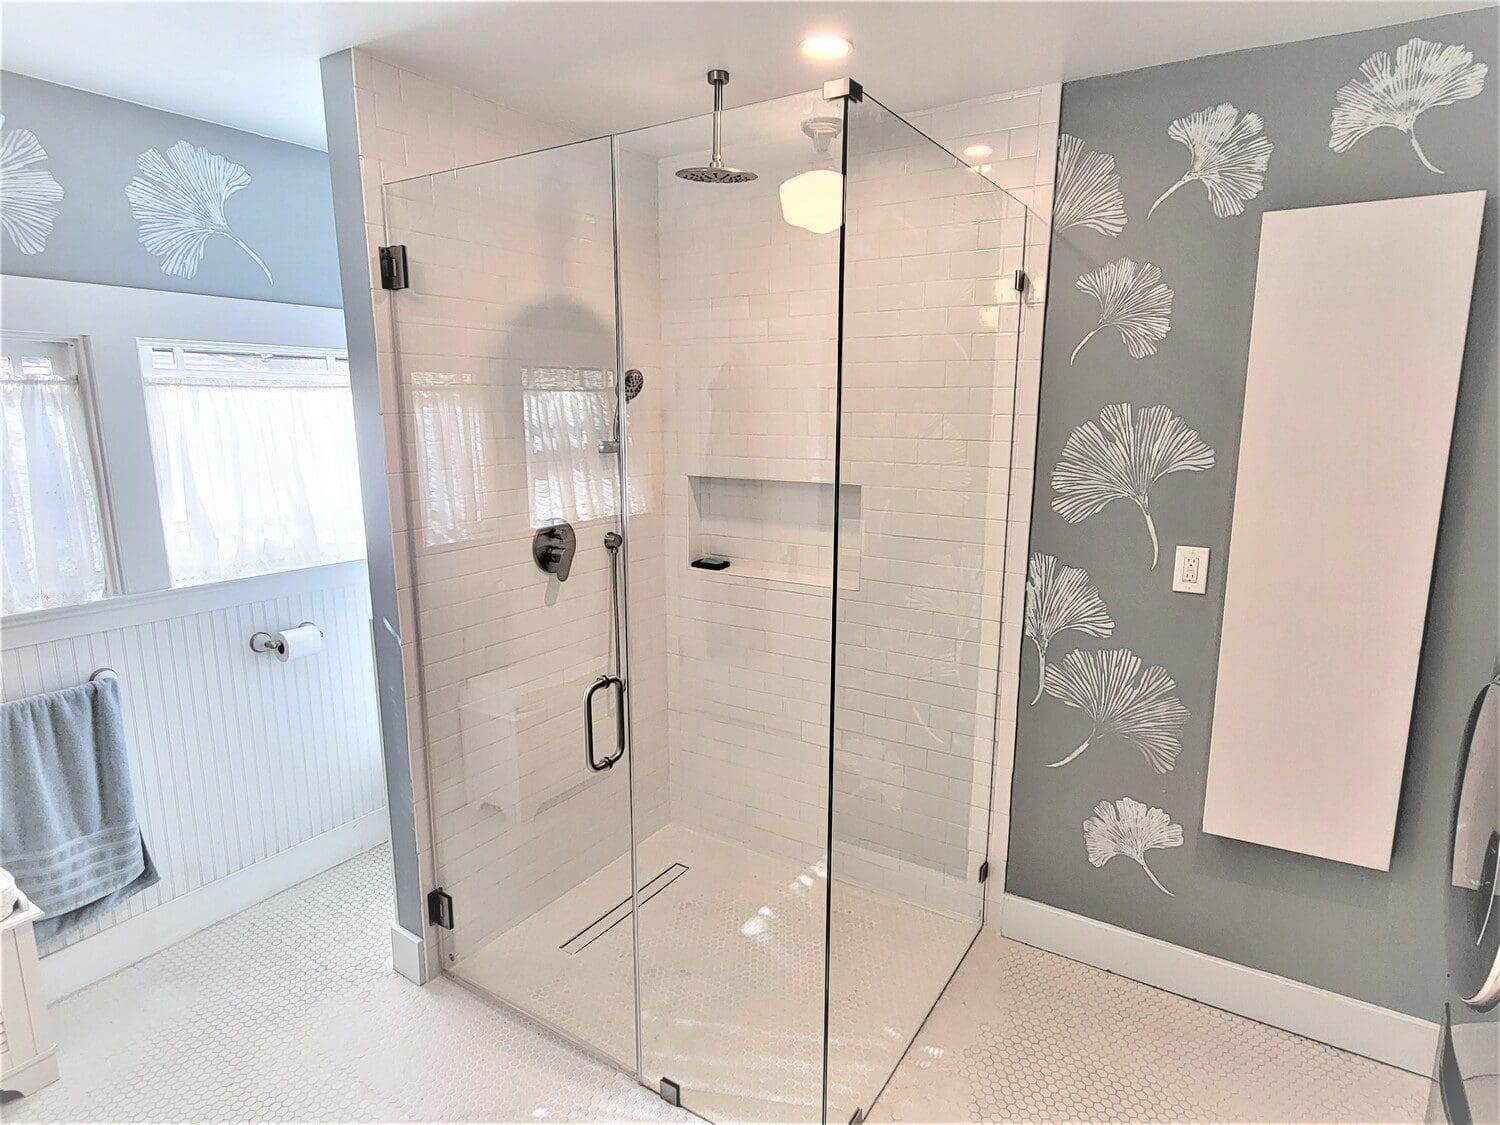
(749, 356)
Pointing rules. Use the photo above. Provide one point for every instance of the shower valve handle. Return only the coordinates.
(552, 548)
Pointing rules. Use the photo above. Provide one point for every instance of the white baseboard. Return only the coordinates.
(407, 955)
(1352, 1025)
(123, 944)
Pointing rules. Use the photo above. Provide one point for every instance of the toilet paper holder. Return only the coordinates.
(263, 641)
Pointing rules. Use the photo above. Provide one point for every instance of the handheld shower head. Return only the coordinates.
(716, 171)
(634, 382)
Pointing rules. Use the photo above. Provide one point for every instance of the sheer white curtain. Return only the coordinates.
(255, 460)
(568, 412)
(455, 466)
(52, 538)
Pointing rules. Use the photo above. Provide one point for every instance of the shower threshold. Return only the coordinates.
(731, 976)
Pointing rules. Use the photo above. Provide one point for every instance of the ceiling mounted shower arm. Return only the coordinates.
(718, 79)
(716, 171)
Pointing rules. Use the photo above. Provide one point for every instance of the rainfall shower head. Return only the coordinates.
(717, 172)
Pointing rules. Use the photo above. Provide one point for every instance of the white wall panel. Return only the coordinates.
(235, 757)
(1360, 316)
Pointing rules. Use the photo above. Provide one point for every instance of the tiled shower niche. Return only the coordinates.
(776, 530)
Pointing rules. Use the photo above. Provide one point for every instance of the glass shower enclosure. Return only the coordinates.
(723, 825)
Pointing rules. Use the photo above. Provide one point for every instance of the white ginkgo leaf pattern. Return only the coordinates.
(1059, 598)
(178, 202)
(28, 195)
(1393, 93)
(1126, 701)
(1133, 300)
(1088, 190)
(1228, 155)
(1127, 827)
(1120, 457)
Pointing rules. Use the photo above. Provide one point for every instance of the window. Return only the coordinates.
(55, 550)
(568, 412)
(457, 475)
(255, 458)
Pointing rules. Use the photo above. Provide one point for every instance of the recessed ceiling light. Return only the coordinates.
(826, 47)
(975, 152)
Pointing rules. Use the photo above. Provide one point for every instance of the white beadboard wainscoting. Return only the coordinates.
(250, 775)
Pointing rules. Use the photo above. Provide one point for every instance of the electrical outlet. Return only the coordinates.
(1190, 575)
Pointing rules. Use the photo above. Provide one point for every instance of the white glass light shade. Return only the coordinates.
(814, 200)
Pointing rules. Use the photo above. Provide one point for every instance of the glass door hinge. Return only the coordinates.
(857, 1117)
(440, 909)
(984, 871)
(671, 1093)
(1021, 280)
(393, 272)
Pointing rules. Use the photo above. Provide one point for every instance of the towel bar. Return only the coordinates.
(101, 673)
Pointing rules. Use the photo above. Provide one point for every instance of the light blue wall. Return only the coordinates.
(284, 214)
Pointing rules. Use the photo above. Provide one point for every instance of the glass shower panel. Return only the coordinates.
(927, 404)
(730, 312)
(506, 363)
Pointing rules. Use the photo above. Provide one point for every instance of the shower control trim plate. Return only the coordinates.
(553, 547)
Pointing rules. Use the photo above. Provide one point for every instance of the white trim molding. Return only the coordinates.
(408, 957)
(1339, 1021)
(125, 610)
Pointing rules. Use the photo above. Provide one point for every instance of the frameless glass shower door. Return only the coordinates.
(730, 311)
(929, 346)
(506, 344)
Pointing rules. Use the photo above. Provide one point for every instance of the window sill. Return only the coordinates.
(122, 610)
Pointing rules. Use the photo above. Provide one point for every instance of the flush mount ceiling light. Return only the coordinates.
(826, 48)
(978, 152)
(814, 200)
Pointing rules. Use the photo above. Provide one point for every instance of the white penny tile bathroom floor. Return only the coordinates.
(290, 1012)
(1025, 1035)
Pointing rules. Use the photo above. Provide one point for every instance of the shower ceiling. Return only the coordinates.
(611, 66)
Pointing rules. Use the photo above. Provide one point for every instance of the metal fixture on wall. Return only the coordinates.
(716, 171)
(634, 381)
(613, 541)
(553, 548)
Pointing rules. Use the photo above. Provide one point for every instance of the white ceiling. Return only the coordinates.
(601, 67)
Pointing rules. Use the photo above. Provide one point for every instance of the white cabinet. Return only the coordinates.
(28, 1057)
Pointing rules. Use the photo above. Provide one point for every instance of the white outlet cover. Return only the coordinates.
(1190, 573)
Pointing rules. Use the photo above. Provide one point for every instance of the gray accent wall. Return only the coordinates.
(283, 215)
(1372, 935)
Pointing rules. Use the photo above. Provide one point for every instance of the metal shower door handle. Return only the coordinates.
(588, 722)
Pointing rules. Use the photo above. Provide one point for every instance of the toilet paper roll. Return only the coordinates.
(296, 643)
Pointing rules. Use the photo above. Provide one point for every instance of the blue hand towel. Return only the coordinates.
(69, 833)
